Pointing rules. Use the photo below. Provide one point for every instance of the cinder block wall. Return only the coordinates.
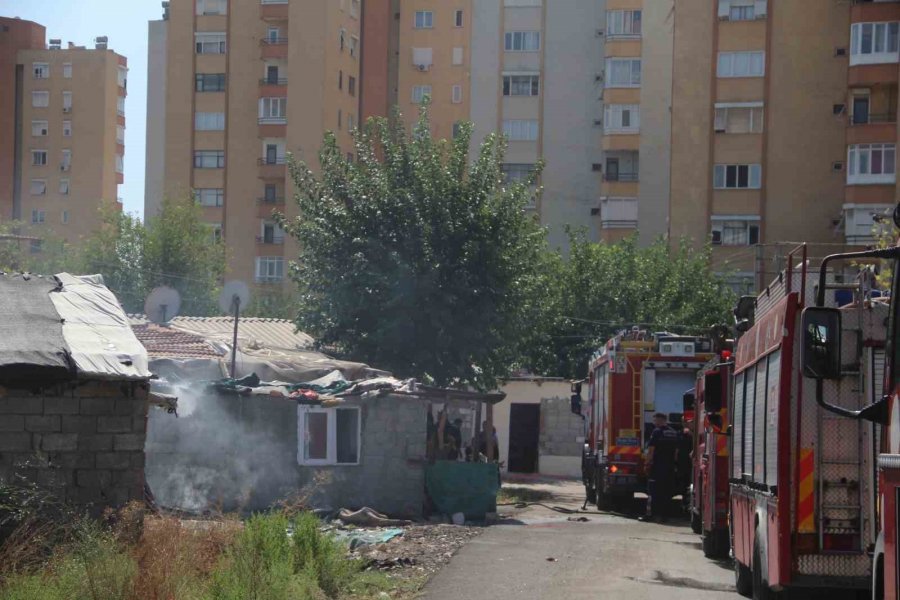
(85, 443)
(561, 439)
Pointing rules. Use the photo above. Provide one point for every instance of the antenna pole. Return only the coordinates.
(236, 302)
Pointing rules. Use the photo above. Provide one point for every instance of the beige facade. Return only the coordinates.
(248, 82)
(69, 140)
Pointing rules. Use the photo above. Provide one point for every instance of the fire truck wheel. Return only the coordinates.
(743, 582)
(761, 589)
(696, 522)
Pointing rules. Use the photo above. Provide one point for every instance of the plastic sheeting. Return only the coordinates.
(463, 487)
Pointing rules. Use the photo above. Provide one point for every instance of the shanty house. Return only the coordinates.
(73, 391)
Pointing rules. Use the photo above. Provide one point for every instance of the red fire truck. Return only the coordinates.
(801, 478)
(709, 493)
(635, 375)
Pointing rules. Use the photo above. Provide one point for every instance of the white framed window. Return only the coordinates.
(269, 269)
(354, 8)
(215, 233)
(424, 19)
(208, 82)
(735, 230)
(623, 23)
(458, 18)
(38, 158)
(209, 159)
(872, 164)
(328, 436)
(456, 95)
(120, 134)
(457, 56)
(67, 128)
(37, 216)
(209, 121)
(521, 130)
(273, 110)
(64, 187)
(67, 101)
(422, 58)
(209, 196)
(40, 128)
(742, 10)
(623, 72)
(521, 85)
(38, 187)
(522, 41)
(65, 160)
(120, 163)
(212, 7)
(210, 43)
(40, 99)
(120, 106)
(873, 43)
(64, 217)
(122, 77)
(737, 177)
(622, 118)
(40, 70)
(741, 64)
(419, 92)
(67, 70)
(351, 122)
(354, 46)
(739, 117)
(515, 172)
(860, 225)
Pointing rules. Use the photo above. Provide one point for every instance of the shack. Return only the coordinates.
(73, 391)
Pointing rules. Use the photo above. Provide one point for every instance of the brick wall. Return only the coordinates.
(83, 442)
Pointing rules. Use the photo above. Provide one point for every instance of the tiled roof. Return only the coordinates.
(277, 334)
(166, 342)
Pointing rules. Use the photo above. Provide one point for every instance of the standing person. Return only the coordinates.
(660, 464)
(685, 464)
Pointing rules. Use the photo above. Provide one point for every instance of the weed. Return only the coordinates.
(518, 494)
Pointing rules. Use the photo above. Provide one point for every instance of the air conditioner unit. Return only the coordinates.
(44, 132)
(67, 109)
(422, 67)
(598, 122)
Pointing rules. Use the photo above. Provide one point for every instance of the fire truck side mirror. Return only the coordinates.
(821, 352)
(712, 392)
(687, 402)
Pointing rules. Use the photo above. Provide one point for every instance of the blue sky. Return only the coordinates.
(125, 23)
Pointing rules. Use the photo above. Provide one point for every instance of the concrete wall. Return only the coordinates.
(524, 391)
(240, 453)
(485, 71)
(562, 438)
(154, 185)
(83, 443)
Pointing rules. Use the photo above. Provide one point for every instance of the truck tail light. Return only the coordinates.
(623, 469)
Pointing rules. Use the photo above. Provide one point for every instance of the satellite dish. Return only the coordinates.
(234, 290)
(162, 305)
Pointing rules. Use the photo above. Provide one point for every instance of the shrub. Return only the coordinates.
(321, 557)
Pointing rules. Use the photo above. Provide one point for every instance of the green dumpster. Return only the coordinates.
(462, 487)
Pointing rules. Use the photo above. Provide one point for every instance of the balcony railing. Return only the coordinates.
(276, 240)
(273, 41)
(269, 279)
(273, 120)
(271, 201)
(874, 119)
(273, 81)
(273, 1)
(272, 160)
(620, 176)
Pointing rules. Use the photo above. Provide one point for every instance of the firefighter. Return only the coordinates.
(660, 463)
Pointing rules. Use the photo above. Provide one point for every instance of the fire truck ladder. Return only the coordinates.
(840, 440)
(637, 402)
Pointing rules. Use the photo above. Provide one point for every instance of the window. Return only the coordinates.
(457, 129)
(623, 72)
(354, 8)
(67, 70)
(354, 46)
(271, 234)
(458, 18)
(733, 177)
(351, 85)
(273, 35)
(209, 159)
(120, 134)
(120, 106)
(623, 23)
(38, 158)
(422, 58)
(209, 121)
(40, 99)
(739, 118)
(735, 230)
(457, 55)
(122, 77)
(419, 92)
(872, 43)
(274, 153)
(871, 163)
(424, 19)
(328, 436)
(270, 193)
(38, 187)
(64, 187)
(210, 82)
(39, 128)
(67, 128)
(210, 43)
(269, 269)
(209, 196)
(272, 110)
(742, 10)
(521, 85)
(120, 163)
(513, 172)
(212, 7)
(64, 217)
(622, 118)
(351, 122)
(340, 118)
(67, 101)
(741, 64)
(40, 70)
(456, 94)
(342, 37)
(522, 41)
(37, 216)
(521, 130)
(340, 80)
(65, 160)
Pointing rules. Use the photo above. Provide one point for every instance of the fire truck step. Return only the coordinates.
(841, 506)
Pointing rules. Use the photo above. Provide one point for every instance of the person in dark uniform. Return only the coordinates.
(662, 449)
(684, 460)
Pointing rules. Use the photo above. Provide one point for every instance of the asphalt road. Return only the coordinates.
(539, 554)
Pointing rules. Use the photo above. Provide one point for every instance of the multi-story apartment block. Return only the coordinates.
(246, 82)
(62, 131)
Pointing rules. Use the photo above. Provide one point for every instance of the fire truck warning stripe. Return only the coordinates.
(721, 445)
(630, 450)
(806, 509)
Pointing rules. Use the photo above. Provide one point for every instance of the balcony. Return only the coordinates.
(277, 201)
(273, 240)
(872, 128)
(272, 168)
(273, 81)
(274, 10)
(622, 176)
(267, 206)
(273, 47)
(273, 120)
(618, 213)
(863, 223)
(269, 279)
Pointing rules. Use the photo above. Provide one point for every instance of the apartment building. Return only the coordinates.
(246, 82)
(62, 131)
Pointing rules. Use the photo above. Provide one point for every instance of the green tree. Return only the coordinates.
(415, 260)
(604, 288)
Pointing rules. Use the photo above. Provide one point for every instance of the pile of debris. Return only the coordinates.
(420, 552)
